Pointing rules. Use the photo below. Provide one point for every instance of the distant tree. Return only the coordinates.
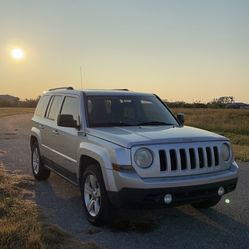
(224, 100)
(221, 102)
(29, 102)
(182, 104)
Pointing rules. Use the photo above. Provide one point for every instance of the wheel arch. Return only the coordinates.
(84, 162)
(93, 154)
(33, 139)
(35, 136)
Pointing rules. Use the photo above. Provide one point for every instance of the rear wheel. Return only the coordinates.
(40, 172)
(96, 204)
(206, 203)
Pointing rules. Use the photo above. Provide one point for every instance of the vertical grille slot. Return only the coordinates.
(183, 159)
(173, 160)
(201, 157)
(216, 156)
(192, 158)
(163, 160)
(209, 156)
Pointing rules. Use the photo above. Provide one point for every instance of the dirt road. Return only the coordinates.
(225, 226)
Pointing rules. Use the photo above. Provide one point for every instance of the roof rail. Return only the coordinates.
(58, 88)
(121, 89)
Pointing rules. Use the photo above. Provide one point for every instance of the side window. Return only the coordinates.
(71, 106)
(54, 108)
(42, 106)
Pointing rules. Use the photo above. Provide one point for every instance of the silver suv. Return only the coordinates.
(122, 147)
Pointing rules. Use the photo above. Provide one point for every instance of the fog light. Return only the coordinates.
(221, 191)
(167, 198)
(227, 201)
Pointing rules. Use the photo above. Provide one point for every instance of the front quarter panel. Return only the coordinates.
(106, 155)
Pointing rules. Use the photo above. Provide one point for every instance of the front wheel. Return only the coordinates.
(39, 170)
(206, 203)
(96, 204)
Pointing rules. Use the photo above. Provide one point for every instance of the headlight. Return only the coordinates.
(143, 158)
(225, 152)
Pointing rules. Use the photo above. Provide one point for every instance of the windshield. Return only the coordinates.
(108, 111)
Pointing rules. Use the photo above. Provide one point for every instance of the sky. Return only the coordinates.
(188, 50)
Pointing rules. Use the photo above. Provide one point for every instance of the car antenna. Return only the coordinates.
(81, 77)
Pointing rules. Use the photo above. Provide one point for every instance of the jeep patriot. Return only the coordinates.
(126, 148)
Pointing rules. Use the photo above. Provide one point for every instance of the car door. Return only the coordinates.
(50, 129)
(66, 142)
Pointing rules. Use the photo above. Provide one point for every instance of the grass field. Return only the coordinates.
(20, 222)
(231, 123)
(8, 111)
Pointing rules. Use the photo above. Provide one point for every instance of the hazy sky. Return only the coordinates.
(181, 50)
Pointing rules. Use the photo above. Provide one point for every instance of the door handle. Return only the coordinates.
(41, 126)
(55, 132)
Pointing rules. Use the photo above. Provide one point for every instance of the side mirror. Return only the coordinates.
(180, 118)
(66, 120)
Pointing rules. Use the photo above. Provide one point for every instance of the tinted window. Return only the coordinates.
(54, 108)
(150, 110)
(127, 111)
(71, 106)
(42, 105)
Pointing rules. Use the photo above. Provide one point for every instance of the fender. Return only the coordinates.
(101, 155)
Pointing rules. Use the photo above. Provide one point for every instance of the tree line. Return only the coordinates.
(220, 102)
(19, 103)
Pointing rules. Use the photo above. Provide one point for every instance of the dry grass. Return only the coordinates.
(8, 111)
(233, 124)
(20, 221)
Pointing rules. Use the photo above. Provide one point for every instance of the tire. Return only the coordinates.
(40, 172)
(97, 206)
(206, 203)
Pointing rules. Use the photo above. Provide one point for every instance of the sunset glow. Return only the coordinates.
(17, 54)
(192, 51)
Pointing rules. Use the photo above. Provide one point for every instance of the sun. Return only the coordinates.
(17, 54)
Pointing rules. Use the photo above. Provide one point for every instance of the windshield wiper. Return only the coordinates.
(154, 123)
(110, 124)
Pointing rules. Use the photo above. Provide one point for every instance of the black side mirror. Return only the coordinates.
(66, 120)
(180, 118)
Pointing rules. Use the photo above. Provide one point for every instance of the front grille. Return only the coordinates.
(183, 159)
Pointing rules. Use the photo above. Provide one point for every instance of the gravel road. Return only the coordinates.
(225, 226)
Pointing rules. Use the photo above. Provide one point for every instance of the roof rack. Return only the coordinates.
(58, 88)
(121, 89)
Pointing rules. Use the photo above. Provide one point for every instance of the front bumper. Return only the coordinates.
(129, 188)
(180, 195)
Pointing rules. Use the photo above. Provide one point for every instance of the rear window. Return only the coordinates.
(42, 106)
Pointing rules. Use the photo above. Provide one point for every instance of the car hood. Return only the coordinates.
(144, 135)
